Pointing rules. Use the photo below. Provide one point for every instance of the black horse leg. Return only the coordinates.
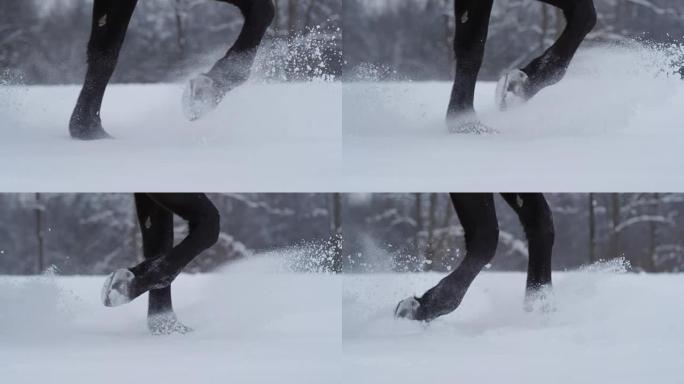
(109, 25)
(156, 226)
(551, 66)
(472, 21)
(477, 215)
(535, 215)
(203, 222)
(234, 68)
(163, 262)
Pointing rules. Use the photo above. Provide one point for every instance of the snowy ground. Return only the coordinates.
(256, 323)
(252, 325)
(607, 328)
(614, 124)
(262, 138)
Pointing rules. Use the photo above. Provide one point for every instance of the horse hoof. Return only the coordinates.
(539, 301)
(468, 124)
(407, 309)
(200, 97)
(166, 324)
(510, 90)
(117, 288)
(91, 135)
(88, 132)
(83, 127)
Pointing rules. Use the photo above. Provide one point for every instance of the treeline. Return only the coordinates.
(44, 41)
(409, 232)
(413, 39)
(96, 233)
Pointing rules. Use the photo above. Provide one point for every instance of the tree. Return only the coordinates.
(39, 232)
(592, 229)
(336, 229)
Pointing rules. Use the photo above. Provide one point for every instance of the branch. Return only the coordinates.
(644, 219)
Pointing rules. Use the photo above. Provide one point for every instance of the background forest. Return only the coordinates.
(409, 232)
(95, 233)
(412, 39)
(43, 41)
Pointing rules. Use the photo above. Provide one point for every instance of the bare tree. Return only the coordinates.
(39, 209)
(592, 228)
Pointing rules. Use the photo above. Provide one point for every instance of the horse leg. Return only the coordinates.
(203, 221)
(477, 215)
(205, 92)
(163, 262)
(472, 21)
(109, 25)
(156, 226)
(536, 218)
(551, 66)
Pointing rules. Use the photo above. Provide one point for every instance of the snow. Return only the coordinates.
(607, 327)
(257, 322)
(253, 323)
(613, 124)
(264, 137)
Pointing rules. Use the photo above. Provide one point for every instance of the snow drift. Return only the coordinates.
(254, 322)
(607, 326)
(614, 123)
(263, 137)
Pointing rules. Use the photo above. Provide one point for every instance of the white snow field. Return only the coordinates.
(251, 325)
(615, 123)
(263, 137)
(607, 327)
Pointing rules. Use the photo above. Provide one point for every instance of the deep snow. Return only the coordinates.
(263, 137)
(253, 323)
(256, 322)
(608, 327)
(615, 123)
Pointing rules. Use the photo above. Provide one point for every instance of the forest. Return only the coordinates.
(43, 41)
(95, 233)
(412, 40)
(413, 232)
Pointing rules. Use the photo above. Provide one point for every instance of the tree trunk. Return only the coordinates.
(39, 232)
(180, 29)
(592, 229)
(430, 251)
(292, 18)
(442, 243)
(337, 232)
(419, 225)
(615, 237)
(136, 231)
(650, 262)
